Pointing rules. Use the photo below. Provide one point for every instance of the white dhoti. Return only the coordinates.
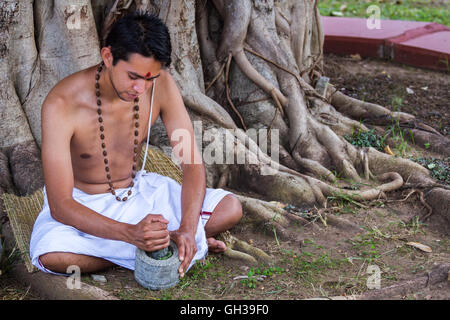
(152, 194)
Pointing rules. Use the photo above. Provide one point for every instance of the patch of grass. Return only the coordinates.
(309, 266)
(414, 10)
(366, 244)
(199, 271)
(254, 273)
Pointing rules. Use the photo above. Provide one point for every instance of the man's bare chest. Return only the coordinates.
(113, 142)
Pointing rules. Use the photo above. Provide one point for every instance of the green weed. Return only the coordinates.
(255, 273)
(308, 267)
(366, 139)
(439, 168)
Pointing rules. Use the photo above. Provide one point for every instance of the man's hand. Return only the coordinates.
(151, 233)
(187, 248)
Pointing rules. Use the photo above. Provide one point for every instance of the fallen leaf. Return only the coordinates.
(356, 56)
(388, 150)
(420, 246)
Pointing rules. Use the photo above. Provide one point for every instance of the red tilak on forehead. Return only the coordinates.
(148, 75)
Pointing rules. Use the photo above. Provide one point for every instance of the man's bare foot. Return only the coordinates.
(216, 246)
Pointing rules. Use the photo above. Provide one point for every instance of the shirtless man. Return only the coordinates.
(136, 54)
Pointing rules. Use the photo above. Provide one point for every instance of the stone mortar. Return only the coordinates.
(157, 274)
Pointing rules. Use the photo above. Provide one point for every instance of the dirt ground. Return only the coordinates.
(329, 261)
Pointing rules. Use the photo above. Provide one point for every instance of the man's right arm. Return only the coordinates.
(57, 132)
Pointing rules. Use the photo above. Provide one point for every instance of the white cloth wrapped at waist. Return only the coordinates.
(152, 194)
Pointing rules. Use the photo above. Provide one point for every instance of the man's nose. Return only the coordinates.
(139, 86)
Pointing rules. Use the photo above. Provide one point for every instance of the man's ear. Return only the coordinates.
(107, 56)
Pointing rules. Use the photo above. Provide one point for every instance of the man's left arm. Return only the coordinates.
(181, 135)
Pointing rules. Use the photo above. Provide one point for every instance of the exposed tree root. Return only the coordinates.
(439, 273)
(422, 200)
(274, 218)
(241, 250)
(358, 109)
(338, 222)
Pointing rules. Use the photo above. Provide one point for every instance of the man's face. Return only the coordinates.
(132, 78)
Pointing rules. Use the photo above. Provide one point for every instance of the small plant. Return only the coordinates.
(308, 266)
(439, 168)
(366, 139)
(255, 274)
(366, 243)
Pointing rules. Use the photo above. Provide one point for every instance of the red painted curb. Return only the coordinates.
(415, 48)
(420, 44)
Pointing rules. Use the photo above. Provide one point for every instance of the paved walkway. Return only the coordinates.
(420, 44)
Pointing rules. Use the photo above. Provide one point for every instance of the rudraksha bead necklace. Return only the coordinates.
(102, 137)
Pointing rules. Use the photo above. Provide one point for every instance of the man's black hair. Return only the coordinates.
(139, 32)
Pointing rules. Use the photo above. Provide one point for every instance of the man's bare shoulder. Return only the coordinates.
(168, 88)
(69, 93)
